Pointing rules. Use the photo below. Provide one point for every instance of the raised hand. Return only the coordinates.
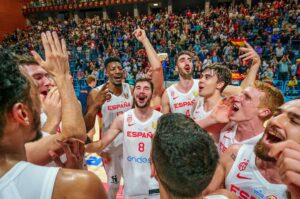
(102, 95)
(52, 104)
(287, 155)
(140, 35)
(249, 54)
(222, 110)
(56, 56)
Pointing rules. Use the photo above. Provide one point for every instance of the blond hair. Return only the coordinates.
(273, 97)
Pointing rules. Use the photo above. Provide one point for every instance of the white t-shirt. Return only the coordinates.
(28, 181)
(110, 110)
(245, 180)
(136, 155)
(216, 197)
(183, 102)
(199, 112)
(227, 138)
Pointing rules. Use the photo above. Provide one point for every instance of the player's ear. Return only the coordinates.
(153, 170)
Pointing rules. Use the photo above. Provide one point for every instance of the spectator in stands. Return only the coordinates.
(293, 83)
(91, 81)
(268, 75)
(283, 68)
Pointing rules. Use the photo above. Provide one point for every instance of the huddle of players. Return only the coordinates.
(139, 142)
(236, 125)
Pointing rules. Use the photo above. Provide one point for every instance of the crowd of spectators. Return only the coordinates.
(272, 28)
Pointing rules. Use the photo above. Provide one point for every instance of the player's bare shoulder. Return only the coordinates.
(68, 180)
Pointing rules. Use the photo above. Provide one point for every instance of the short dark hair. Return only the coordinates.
(184, 156)
(223, 73)
(14, 86)
(144, 80)
(184, 52)
(112, 59)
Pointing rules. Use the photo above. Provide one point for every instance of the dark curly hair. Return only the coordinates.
(14, 86)
(184, 155)
(112, 59)
(145, 80)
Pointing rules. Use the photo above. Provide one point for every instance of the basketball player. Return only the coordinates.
(108, 101)
(212, 82)
(155, 73)
(38, 152)
(184, 158)
(215, 78)
(251, 171)
(244, 115)
(49, 95)
(183, 96)
(20, 123)
(139, 126)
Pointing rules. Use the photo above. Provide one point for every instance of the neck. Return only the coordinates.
(185, 84)
(249, 129)
(268, 170)
(211, 101)
(116, 90)
(8, 160)
(143, 113)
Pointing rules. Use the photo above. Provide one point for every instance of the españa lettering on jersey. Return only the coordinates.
(242, 194)
(140, 134)
(183, 104)
(118, 106)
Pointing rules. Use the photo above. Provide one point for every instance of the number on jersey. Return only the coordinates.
(141, 147)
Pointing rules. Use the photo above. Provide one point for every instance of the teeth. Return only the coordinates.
(235, 107)
(276, 134)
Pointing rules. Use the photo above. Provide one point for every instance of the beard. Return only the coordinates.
(261, 151)
(117, 84)
(36, 127)
(185, 75)
(142, 106)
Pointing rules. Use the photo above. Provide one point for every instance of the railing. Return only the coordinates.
(75, 5)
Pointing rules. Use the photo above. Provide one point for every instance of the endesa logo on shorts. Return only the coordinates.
(138, 160)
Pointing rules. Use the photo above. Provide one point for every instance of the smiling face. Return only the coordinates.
(114, 72)
(184, 66)
(284, 125)
(142, 94)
